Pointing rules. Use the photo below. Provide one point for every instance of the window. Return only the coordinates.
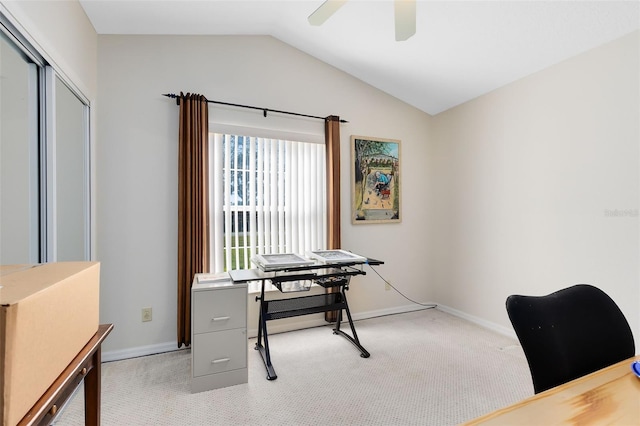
(267, 196)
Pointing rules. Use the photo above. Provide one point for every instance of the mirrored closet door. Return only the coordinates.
(45, 175)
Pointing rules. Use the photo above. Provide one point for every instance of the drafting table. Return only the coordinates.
(328, 275)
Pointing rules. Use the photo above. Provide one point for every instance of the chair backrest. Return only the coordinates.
(569, 333)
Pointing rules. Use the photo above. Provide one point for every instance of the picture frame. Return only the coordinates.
(375, 180)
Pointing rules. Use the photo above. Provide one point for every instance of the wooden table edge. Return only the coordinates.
(552, 391)
(40, 408)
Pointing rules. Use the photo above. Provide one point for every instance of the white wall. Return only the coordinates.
(64, 36)
(137, 166)
(530, 178)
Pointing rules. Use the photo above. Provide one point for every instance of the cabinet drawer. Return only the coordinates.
(219, 310)
(219, 351)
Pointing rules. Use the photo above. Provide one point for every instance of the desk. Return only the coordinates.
(607, 396)
(85, 366)
(328, 275)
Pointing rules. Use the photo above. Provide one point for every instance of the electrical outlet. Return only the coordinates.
(387, 286)
(146, 314)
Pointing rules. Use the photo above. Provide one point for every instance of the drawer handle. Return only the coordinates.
(220, 318)
(218, 361)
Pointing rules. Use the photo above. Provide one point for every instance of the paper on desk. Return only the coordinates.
(212, 278)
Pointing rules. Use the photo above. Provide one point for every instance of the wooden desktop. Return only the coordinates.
(608, 396)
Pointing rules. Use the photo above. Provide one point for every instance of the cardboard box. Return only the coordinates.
(48, 313)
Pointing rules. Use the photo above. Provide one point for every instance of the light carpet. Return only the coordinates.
(426, 368)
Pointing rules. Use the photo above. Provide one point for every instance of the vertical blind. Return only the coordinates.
(268, 196)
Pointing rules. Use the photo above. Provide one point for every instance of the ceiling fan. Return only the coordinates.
(405, 16)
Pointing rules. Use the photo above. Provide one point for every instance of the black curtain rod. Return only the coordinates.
(264, 110)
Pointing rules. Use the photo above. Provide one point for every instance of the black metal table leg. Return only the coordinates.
(262, 335)
(356, 342)
(266, 357)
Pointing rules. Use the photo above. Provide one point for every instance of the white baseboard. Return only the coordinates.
(309, 323)
(140, 351)
(391, 311)
(505, 331)
(317, 322)
(275, 328)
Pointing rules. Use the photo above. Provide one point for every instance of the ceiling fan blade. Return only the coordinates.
(325, 11)
(405, 17)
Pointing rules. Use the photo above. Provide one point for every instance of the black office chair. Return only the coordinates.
(569, 333)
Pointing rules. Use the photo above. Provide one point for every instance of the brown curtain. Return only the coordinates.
(193, 203)
(332, 144)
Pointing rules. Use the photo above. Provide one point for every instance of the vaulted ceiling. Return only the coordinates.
(461, 49)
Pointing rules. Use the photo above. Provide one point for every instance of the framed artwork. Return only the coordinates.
(375, 180)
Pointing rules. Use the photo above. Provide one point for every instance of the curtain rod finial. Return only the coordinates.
(172, 96)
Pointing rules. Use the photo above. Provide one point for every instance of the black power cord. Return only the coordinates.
(428, 305)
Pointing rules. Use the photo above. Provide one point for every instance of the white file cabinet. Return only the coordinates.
(218, 334)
